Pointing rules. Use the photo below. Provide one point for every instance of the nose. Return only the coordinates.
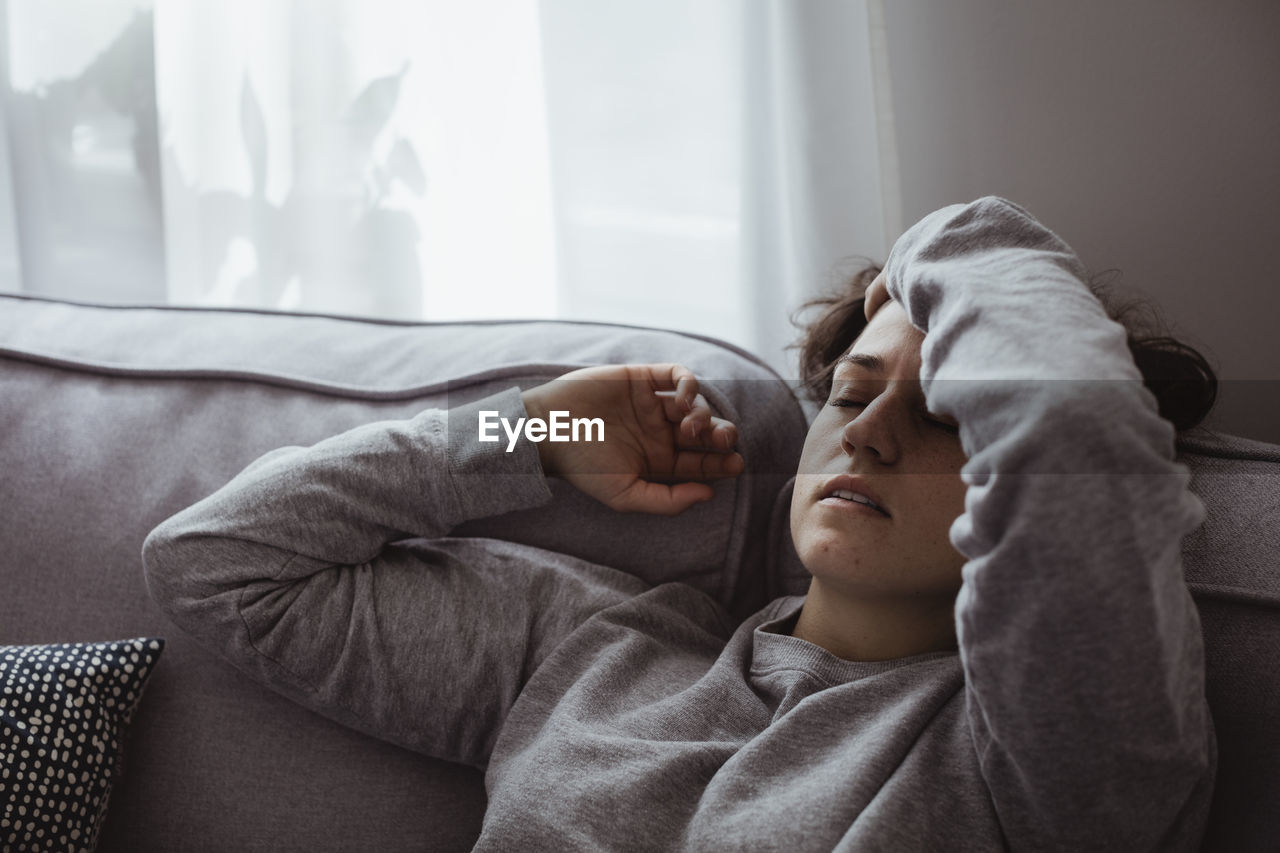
(873, 432)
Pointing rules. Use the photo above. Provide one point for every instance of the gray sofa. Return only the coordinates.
(113, 418)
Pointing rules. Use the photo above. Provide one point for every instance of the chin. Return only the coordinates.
(831, 557)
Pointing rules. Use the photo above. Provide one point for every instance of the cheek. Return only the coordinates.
(820, 443)
(951, 492)
(943, 464)
(795, 517)
(800, 504)
(946, 505)
(938, 500)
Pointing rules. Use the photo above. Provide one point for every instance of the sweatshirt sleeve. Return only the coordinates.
(326, 573)
(1080, 642)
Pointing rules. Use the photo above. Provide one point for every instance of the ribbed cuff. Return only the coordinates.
(487, 479)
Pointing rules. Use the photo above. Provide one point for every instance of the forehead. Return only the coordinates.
(888, 346)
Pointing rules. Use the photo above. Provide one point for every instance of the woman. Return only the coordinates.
(996, 650)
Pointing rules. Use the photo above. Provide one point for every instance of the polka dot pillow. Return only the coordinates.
(63, 712)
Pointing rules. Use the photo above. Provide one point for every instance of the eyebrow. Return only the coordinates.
(867, 361)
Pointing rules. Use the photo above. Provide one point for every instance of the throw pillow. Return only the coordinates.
(63, 713)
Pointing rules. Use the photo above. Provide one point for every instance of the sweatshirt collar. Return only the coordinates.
(774, 648)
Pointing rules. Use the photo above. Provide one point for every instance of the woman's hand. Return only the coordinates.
(877, 294)
(661, 442)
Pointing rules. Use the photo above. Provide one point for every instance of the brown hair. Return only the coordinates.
(1184, 385)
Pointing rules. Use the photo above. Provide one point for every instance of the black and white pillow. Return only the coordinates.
(63, 712)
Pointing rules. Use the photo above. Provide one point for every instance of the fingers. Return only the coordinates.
(877, 294)
(708, 432)
(702, 465)
(698, 427)
(686, 407)
(659, 499)
(703, 441)
(675, 410)
(677, 378)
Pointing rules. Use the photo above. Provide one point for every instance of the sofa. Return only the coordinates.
(112, 418)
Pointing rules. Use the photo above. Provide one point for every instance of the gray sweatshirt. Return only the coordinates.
(611, 715)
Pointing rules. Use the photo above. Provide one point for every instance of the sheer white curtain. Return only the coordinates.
(703, 166)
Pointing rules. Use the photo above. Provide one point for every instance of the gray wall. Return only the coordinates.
(1146, 133)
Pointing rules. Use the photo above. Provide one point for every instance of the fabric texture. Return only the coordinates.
(64, 710)
(617, 711)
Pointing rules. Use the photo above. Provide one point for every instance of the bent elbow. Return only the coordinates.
(159, 568)
(188, 579)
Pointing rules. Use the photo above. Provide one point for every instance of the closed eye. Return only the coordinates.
(954, 429)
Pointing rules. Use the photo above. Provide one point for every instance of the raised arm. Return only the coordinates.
(1080, 643)
(304, 572)
(326, 572)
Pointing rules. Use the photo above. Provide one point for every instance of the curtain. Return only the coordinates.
(696, 165)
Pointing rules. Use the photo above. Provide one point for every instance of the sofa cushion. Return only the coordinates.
(63, 712)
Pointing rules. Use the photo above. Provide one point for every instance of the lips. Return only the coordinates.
(856, 489)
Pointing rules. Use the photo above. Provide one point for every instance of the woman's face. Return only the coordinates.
(875, 439)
